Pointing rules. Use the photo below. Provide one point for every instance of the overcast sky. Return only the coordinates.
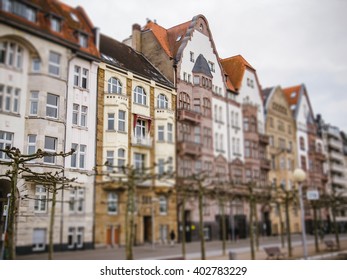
(288, 42)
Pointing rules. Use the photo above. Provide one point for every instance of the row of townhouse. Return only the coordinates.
(162, 100)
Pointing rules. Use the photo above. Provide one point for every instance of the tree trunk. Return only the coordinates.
(130, 218)
(183, 218)
(221, 203)
(11, 244)
(201, 223)
(336, 229)
(51, 224)
(251, 231)
(289, 239)
(256, 225)
(315, 224)
(281, 224)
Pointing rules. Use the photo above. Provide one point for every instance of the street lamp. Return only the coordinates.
(286, 202)
(299, 177)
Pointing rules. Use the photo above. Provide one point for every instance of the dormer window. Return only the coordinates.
(55, 24)
(83, 40)
(201, 27)
(20, 9)
(192, 57)
(74, 17)
(212, 67)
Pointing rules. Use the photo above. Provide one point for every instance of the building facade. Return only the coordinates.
(136, 132)
(48, 65)
(282, 152)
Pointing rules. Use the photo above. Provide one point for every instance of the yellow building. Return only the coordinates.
(282, 152)
(136, 131)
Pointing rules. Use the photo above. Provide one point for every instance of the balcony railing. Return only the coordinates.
(337, 168)
(263, 138)
(189, 148)
(335, 144)
(318, 155)
(333, 131)
(341, 181)
(265, 163)
(140, 141)
(188, 115)
(114, 97)
(337, 156)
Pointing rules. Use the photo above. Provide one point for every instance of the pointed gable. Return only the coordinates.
(201, 66)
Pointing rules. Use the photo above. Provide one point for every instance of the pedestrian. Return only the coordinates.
(172, 237)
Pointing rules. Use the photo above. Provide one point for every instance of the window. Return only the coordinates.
(39, 239)
(110, 121)
(121, 159)
(161, 132)
(184, 101)
(140, 96)
(82, 155)
(74, 146)
(114, 86)
(6, 140)
(11, 54)
(169, 132)
(20, 9)
(140, 129)
(121, 120)
(139, 161)
(196, 80)
(197, 135)
(80, 77)
(161, 167)
(302, 143)
(197, 105)
(83, 40)
(110, 160)
(84, 114)
(247, 149)
(54, 63)
(9, 99)
(34, 103)
(192, 57)
(211, 64)
(75, 113)
(206, 107)
(271, 122)
(163, 205)
(31, 144)
(75, 237)
(40, 199)
(76, 201)
(55, 24)
(162, 102)
(303, 163)
(52, 105)
(112, 203)
(245, 124)
(36, 65)
(51, 147)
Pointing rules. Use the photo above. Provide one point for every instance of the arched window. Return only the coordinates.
(140, 95)
(162, 101)
(11, 54)
(184, 101)
(302, 143)
(114, 86)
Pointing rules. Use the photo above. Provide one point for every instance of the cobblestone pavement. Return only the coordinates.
(240, 250)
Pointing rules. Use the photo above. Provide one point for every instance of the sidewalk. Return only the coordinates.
(213, 249)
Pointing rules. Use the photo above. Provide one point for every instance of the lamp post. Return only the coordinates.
(286, 201)
(299, 177)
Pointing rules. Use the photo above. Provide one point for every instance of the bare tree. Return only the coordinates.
(52, 182)
(16, 162)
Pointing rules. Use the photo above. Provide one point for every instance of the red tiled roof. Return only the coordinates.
(235, 67)
(292, 98)
(69, 27)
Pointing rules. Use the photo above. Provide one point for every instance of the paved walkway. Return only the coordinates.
(240, 250)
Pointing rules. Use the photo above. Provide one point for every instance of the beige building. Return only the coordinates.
(281, 129)
(136, 131)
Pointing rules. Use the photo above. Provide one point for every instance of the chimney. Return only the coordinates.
(97, 37)
(136, 37)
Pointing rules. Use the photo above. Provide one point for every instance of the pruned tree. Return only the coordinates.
(16, 162)
(53, 182)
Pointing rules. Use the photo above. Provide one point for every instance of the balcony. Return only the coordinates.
(188, 115)
(341, 181)
(318, 155)
(337, 168)
(114, 98)
(263, 138)
(140, 141)
(337, 156)
(333, 131)
(335, 144)
(265, 164)
(189, 148)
